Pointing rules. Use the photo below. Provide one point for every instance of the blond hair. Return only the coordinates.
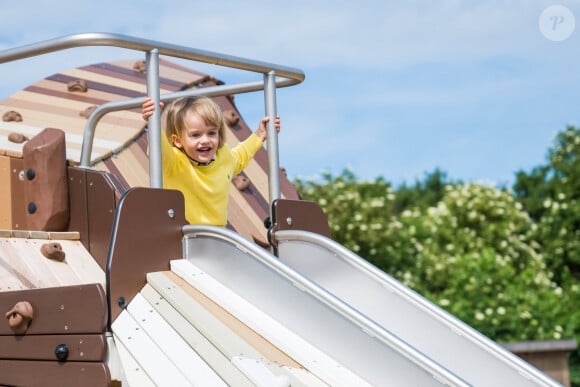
(204, 108)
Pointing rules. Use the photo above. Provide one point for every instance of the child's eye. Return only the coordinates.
(213, 133)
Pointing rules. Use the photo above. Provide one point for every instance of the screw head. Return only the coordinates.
(61, 352)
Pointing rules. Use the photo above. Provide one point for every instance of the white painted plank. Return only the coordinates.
(189, 363)
(216, 331)
(212, 328)
(132, 371)
(259, 373)
(317, 362)
(214, 358)
(146, 352)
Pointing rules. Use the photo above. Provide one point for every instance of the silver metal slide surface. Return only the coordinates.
(330, 328)
(406, 314)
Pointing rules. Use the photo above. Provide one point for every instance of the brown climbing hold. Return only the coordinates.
(17, 138)
(87, 112)
(53, 250)
(12, 115)
(241, 182)
(140, 66)
(20, 317)
(232, 117)
(80, 85)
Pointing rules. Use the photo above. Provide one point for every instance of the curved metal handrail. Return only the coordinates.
(146, 45)
(273, 76)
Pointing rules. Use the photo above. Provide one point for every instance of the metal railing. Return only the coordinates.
(273, 76)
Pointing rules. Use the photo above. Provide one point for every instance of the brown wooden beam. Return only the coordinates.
(77, 309)
(50, 347)
(52, 373)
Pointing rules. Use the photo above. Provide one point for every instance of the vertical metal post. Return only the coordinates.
(154, 123)
(272, 143)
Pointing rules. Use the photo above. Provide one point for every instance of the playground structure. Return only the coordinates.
(102, 281)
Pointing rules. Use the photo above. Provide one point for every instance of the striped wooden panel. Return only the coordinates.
(211, 354)
(258, 346)
(223, 332)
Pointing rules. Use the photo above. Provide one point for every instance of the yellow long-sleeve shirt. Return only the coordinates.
(206, 188)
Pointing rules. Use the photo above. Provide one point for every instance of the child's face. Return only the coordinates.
(199, 141)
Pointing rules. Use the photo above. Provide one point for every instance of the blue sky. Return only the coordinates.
(393, 89)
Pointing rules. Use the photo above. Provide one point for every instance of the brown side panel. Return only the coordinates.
(42, 347)
(101, 203)
(146, 239)
(300, 215)
(48, 373)
(77, 192)
(5, 194)
(93, 198)
(45, 181)
(64, 310)
(17, 191)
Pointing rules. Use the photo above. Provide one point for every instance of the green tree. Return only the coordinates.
(551, 195)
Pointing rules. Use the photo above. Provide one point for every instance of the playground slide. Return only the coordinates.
(322, 333)
(407, 315)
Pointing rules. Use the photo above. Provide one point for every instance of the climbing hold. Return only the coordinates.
(140, 66)
(241, 182)
(20, 317)
(80, 85)
(53, 250)
(17, 138)
(87, 112)
(232, 117)
(12, 115)
(31, 208)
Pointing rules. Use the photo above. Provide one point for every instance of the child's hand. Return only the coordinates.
(261, 132)
(148, 107)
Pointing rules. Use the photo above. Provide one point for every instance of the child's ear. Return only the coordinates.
(176, 141)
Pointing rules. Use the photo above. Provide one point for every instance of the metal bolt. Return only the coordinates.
(171, 213)
(61, 352)
(289, 221)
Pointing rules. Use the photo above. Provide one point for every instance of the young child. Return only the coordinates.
(196, 160)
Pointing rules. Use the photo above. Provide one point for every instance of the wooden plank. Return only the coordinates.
(17, 190)
(77, 309)
(135, 174)
(211, 355)
(317, 362)
(146, 352)
(261, 346)
(5, 194)
(42, 347)
(48, 373)
(24, 256)
(189, 363)
(133, 372)
(227, 334)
